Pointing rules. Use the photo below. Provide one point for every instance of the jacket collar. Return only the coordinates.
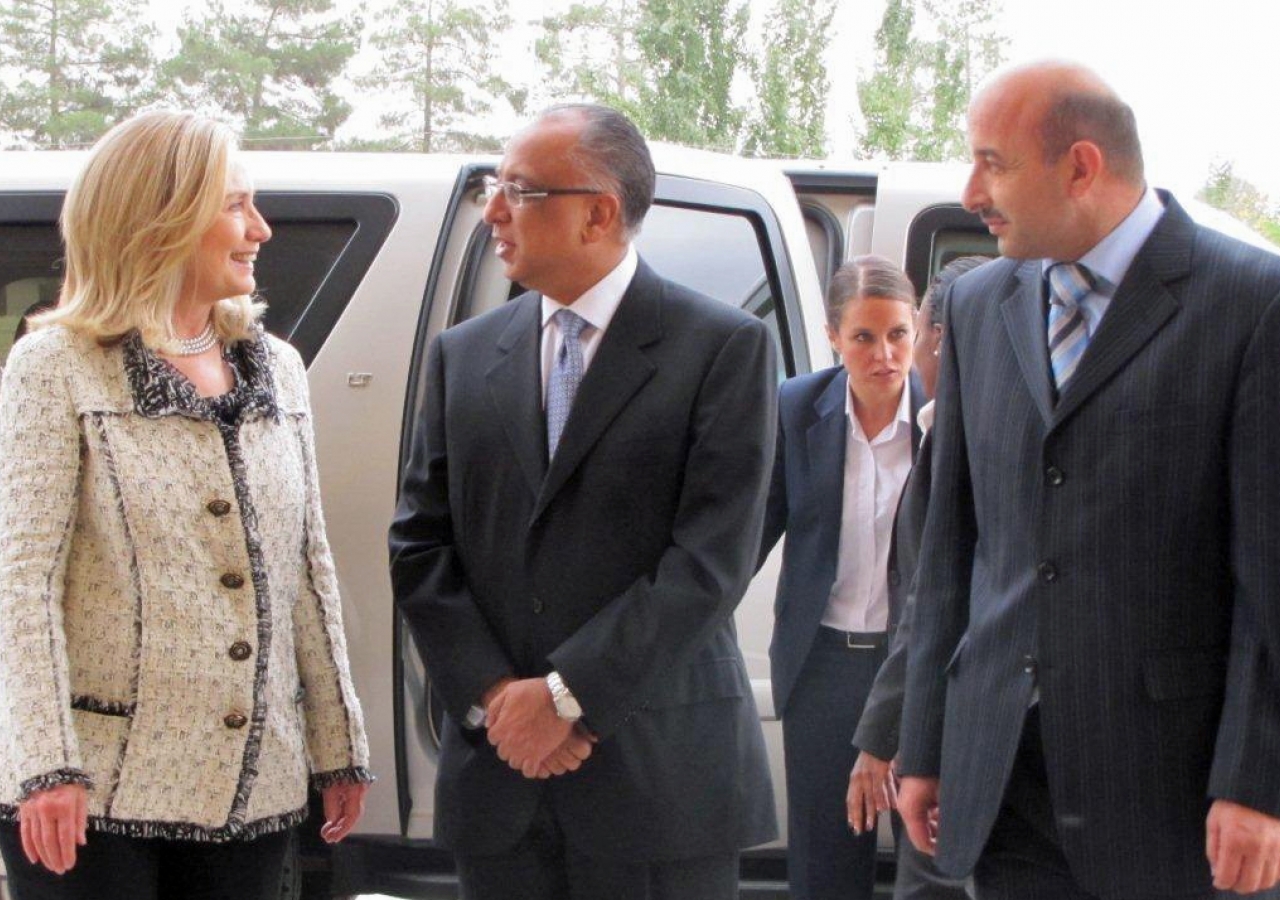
(160, 390)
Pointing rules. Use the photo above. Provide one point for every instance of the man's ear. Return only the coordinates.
(1085, 160)
(604, 217)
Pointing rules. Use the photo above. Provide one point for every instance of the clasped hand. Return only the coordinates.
(528, 734)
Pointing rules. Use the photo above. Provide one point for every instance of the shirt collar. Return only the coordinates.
(600, 301)
(1110, 258)
(924, 418)
(894, 429)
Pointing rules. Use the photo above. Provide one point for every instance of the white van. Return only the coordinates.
(375, 254)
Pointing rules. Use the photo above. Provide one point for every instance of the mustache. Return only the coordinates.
(989, 212)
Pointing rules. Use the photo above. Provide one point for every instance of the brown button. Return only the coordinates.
(240, 651)
(232, 580)
(219, 508)
(235, 720)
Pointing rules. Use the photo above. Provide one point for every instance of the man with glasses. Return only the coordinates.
(576, 524)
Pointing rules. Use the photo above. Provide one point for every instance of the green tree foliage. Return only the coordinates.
(691, 50)
(436, 60)
(669, 64)
(792, 85)
(915, 100)
(1242, 200)
(888, 95)
(78, 67)
(269, 66)
(589, 52)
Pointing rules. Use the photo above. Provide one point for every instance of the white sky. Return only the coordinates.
(1199, 77)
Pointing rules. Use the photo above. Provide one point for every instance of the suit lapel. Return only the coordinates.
(1140, 308)
(515, 388)
(1024, 318)
(825, 441)
(619, 369)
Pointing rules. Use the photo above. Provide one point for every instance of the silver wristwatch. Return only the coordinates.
(566, 704)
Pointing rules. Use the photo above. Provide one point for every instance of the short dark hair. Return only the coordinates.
(946, 277)
(1101, 118)
(615, 157)
(866, 276)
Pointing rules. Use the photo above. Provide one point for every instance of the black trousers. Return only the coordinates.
(1023, 857)
(825, 859)
(542, 867)
(110, 867)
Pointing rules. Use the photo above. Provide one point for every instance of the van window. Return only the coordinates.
(30, 275)
(321, 247)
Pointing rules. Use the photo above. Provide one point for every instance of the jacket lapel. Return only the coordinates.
(1024, 318)
(515, 388)
(1140, 308)
(619, 369)
(826, 440)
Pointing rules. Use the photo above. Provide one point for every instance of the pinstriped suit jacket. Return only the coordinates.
(1120, 548)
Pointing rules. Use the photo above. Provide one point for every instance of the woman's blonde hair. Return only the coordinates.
(132, 222)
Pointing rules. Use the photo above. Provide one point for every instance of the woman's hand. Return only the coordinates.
(52, 824)
(343, 807)
(872, 790)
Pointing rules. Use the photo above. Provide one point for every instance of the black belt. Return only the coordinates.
(853, 640)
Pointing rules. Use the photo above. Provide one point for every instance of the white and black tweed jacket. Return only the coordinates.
(170, 630)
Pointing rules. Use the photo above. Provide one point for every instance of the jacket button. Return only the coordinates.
(240, 651)
(235, 720)
(1048, 572)
(1054, 476)
(894, 578)
(537, 606)
(218, 508)
(232, 580)
(1029, 664)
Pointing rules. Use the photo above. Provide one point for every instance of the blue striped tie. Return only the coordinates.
(566, 373)
(1069, 284)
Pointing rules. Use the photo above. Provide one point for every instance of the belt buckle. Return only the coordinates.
(850, 645)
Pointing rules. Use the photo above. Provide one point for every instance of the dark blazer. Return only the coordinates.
(1120, 549)
(879, 726)
(806, 497)
(619, 565)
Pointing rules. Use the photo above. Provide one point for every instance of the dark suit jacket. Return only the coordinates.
(1121, 548)
(878, 728)
(619, 565)
(806, 498)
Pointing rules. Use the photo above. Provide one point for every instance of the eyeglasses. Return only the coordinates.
(516, 195)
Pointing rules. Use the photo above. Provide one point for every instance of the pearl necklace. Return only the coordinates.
(198, 344)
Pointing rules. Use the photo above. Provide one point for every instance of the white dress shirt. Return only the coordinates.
(597, 306)
(875, 469)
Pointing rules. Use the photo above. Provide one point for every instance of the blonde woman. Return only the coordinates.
(174, 667)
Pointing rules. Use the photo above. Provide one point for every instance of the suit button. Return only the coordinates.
(1048, 572)
(1029, 664)
(240, 651)
(235, 720)
(1054, 476)
(218, 508)
(232, 580)
(537, 606)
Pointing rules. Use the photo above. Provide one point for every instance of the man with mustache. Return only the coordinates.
(1093, 699)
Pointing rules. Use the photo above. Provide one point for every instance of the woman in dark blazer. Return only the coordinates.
(846, 439)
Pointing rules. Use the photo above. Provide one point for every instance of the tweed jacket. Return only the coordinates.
(169, 612)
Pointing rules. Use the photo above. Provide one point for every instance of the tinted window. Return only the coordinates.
(30, 274)
(292, 266)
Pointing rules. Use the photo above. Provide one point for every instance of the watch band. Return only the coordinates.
(566, 704)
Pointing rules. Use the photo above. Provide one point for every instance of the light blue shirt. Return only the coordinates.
(1111, 257)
